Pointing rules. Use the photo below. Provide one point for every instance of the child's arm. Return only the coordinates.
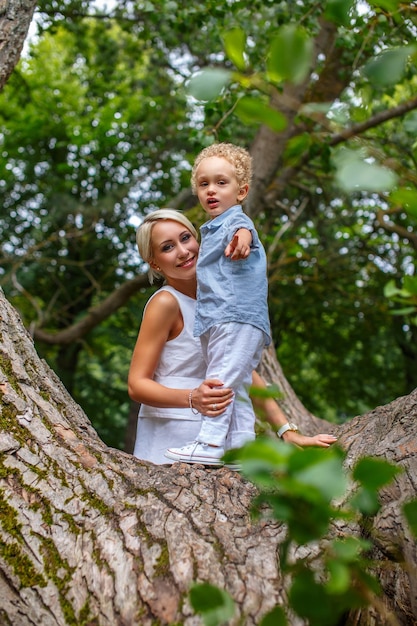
(239, 247)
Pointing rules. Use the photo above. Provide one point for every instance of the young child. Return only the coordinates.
(232, 309)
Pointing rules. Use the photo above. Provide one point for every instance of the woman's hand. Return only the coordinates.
(319, 441)
(211, 398)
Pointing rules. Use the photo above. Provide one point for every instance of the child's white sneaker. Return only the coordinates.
(197, 452)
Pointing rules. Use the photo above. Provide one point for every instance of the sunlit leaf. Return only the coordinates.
(410, 285)
(391, 290)
(208, 84)
(253, 110)
(407, 310)
(339, 577)
(406, 198)
(290, 56)
(271, 391)
(234, 43)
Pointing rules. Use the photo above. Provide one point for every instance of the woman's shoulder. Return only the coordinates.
(165, 298)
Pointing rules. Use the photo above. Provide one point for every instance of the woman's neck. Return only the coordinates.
(187, 287)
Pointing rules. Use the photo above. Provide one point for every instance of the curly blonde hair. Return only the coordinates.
(144, 235)
(237, 156)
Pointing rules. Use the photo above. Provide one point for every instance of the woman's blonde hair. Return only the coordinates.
(144, 234)
(237, 156)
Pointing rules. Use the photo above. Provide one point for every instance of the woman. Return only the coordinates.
(167, 371)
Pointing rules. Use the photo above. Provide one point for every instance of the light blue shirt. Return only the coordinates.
(230, 291)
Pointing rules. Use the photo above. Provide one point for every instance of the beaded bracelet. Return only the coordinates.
(190, 402)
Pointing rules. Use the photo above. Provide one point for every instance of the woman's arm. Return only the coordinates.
(161, 322)
(276, 417)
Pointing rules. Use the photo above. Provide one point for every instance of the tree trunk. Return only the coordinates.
(91, 535)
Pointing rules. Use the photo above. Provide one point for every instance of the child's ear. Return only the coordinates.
(243, 192)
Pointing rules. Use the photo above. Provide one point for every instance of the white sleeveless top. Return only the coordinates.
(181, 365)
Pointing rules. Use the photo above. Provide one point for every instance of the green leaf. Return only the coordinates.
(339, 577)
(253, 110)
(276, 617)
(374, 473)
(386, 5)
(326, 475)
(264, 452)
(348, 549)
(407, 310)
(290, 55)
(234, 44)
(271, 391)
(354, 173)
(310, 600)
(410, 122)
(366, 501)
(215, 605)
(208, 84)
(410, 285)
(391, 290)
(406, 198)
(296, 148)
(338, 11)
(410, 512)
(389, 67)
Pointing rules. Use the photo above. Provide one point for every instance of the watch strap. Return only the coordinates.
(286, 427)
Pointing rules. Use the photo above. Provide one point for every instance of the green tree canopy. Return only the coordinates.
(101, 121)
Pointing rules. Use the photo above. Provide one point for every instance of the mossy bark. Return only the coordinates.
(90, 535)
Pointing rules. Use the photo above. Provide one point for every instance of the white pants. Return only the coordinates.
(232, 351)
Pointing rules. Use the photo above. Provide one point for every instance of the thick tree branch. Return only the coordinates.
(376, 120)
(96, 315)
(105, 538)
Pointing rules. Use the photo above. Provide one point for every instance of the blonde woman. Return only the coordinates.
(167, 371)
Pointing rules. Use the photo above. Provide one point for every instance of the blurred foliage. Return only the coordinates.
(311, 492)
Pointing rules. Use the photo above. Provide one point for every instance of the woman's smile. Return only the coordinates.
(188, 262)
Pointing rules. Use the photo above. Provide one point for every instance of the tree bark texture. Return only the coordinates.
(91, 535)
(15, 19)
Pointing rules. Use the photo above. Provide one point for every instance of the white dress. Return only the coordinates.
(181, 366)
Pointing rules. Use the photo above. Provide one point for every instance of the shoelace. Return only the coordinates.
(196, 443)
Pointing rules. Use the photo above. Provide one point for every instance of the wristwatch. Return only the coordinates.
(288, 426)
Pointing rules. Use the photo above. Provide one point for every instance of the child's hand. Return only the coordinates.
(239, 247)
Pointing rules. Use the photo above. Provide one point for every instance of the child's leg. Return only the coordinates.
(233, 351)
(242, 425)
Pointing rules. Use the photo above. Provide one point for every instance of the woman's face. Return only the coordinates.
(175, 250)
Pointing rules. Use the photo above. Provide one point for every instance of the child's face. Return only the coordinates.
(217, 186)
